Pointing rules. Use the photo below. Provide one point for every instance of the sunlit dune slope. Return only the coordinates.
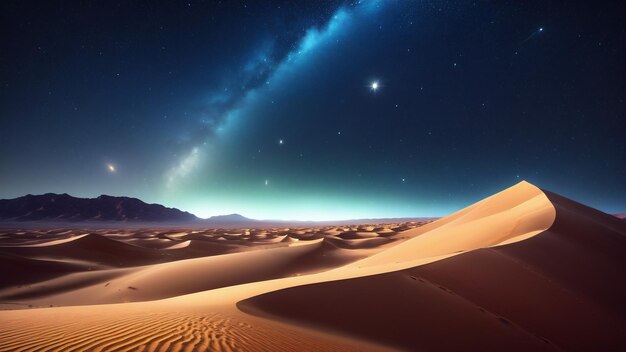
(514, 214)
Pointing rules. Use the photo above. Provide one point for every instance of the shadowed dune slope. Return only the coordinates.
(90, 248)
(560, 290)
(15, 270)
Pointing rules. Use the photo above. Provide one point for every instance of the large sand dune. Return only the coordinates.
(521, 270)
(560, 290)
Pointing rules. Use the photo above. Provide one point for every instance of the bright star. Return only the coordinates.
(280, 141)
(266, 182)
(111, 168)
(540, 29)
(374, 86)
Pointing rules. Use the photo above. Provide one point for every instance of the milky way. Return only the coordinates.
(313, 110)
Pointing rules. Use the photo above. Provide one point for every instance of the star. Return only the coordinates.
(374, 86)
(111, 168)
(266, 182)
(533, 34)
(280, 141)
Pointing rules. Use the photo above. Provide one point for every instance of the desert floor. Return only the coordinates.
(522, 270)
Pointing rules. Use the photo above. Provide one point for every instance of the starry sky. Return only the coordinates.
(313, 110)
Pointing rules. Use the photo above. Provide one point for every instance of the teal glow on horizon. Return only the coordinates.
(310, 207)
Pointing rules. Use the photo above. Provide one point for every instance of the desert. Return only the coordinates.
(524, 269)
(312, 176)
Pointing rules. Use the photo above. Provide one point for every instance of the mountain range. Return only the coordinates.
(110, 211)
(63, 207)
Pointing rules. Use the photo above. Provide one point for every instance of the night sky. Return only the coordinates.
(313, 110)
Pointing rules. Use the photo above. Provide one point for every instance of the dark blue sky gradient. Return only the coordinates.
(190, 100)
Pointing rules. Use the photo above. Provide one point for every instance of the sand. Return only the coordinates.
(521, 270)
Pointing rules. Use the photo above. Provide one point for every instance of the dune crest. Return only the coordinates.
(512, 215)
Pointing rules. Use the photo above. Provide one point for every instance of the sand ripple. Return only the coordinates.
(159, 331)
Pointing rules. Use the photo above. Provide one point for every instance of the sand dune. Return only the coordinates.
(163, 280)
(92, 248)
(19, 271)
(52, 242)
(521, 270)
(179, 245)
(85, 250)
(560, 290)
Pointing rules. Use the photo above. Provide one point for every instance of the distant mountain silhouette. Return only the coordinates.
(125, 211)
(232, 221)
(229, 218)
(63, 207)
